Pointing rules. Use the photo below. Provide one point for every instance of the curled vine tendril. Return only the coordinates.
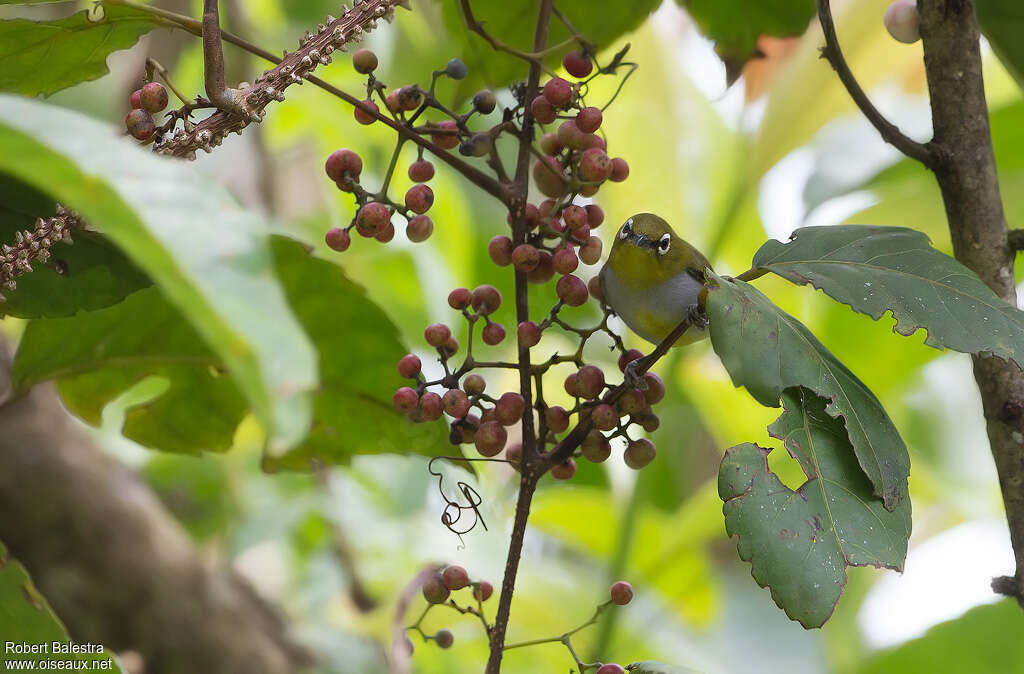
(454, 509)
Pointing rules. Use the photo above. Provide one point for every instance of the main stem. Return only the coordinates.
(532, 467)
(964, 164)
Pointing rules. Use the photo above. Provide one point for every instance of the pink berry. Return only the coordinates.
(572, 290)
(338, 239)
(545, 270)
(455, 577)
(595, 447)
(136, 99)
(437, 334)
(620, 170)
(456, 403)
(459, 298)
(557, 418)
(604, 417)
(558, 92)
(621, 593)
(410, 97)
(548, 176)
(594, 286)
(589, 119)
(628, 357)
(574, 216)
(421, 171)
(490, 438)
(564, 471)
(595, 215)
(493, 334)
(564, 260)
(632, 402)
(446, 141)
(387, 234)
(365, 111)
(577, 64)
(542, 110)
(590, 381)
(590, 252)
(529, 334)
(639, 453)
(483, 591)
(419, 199)
(373, 217)
(903, 21)
(406, 399)
(153, 97)
(509, 408)
(486, 299)
(611, 668)
(431, 406)
(434, 590)
(419, 228)
(500, 250)
(409, 366)
(550, 144)
(655, 392)
(570, 135)
(343, 164)
(595, 165)
(525, 257)
(140, 124)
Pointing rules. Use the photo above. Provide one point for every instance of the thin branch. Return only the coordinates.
(534, 58)
(890, 132)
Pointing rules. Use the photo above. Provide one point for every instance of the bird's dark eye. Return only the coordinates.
(627, 229)
(664, 244)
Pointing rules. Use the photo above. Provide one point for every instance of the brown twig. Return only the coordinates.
(890, 132)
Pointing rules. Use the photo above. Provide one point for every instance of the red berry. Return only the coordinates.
(493, 334)
(621, 593)
(571, 385)
(409, 366)
(564, 260)
(558, 92)
(456, 404)
(363, 112)
(572, 290)
(595, 215)
(595, 447)
(421, 171)
(620, 170)
(595, 165)
(590, 252)
(550, 144)
(434, 590)
(650, 422)
(532, 216)
(564, 471)
(557, 418)
(474, 385)
(543, 111)
(605, 417)
(364, 61)
(639, 453)
(486, 299)
(136, 99)
(903, 21)
(406, 399)
(343, 163)
(590, 381)
(500, 250)
(459, 298)
(153, 97)
(444, 638)
(545, 270)
(577, 64)
(338, 239)
(392, 102)
(437, 334)
(529, 334)
(633, 402)
(490, 438)
(373, 217)
(483, 590)
(419, 199)
(628, 357)
(525, 257)
(655, 388)
(410, 97)
(570, 135)
(548, 176)
(589, 189)
(140, 124)
(450, 347)
(594, 286)
(509, 408)
(589, 120)
(431, 406)
(455, 578)
(611, 668)
(574, 216)
(387, 234)
(598, 142)
(419, 228)
(446, 141)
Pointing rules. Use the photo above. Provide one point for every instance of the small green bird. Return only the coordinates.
(653, 279)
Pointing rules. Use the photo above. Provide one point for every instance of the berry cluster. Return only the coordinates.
(437, 589)
(146, 102)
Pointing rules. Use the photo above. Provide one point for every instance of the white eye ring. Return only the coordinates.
(626, 230)
(664, 244)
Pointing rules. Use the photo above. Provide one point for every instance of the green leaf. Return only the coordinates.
(209, 258)
(735, 25)
(89, 274)
(1002, 22)
(26, 618)
(880, 269)
(513, 22)
(199, 408)
(985, 639)
(799, 543)
(41, 57)
(767, 351)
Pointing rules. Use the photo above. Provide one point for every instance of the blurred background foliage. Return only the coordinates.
(728, 165)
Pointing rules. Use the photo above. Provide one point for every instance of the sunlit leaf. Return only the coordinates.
(41, 57)
(799, 543)
(1002, 22)
(767, 351)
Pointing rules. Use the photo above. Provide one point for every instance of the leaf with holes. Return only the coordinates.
(42, 57)
(880, 269)
(768, 351)
(799, 543)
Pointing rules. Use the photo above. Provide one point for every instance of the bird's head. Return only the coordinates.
(647, 250)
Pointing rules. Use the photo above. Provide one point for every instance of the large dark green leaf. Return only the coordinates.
(200, 408)
(41, 57)
(513, 22)
(26, 618)
(87, 275)
(1002, 22)
(209, 257)
(735, 25)
(767, 351)
(799, 543)
(880, 269)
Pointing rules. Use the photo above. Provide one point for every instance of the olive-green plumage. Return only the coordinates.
(653, 278)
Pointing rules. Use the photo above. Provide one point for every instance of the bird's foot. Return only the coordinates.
(634, 375)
